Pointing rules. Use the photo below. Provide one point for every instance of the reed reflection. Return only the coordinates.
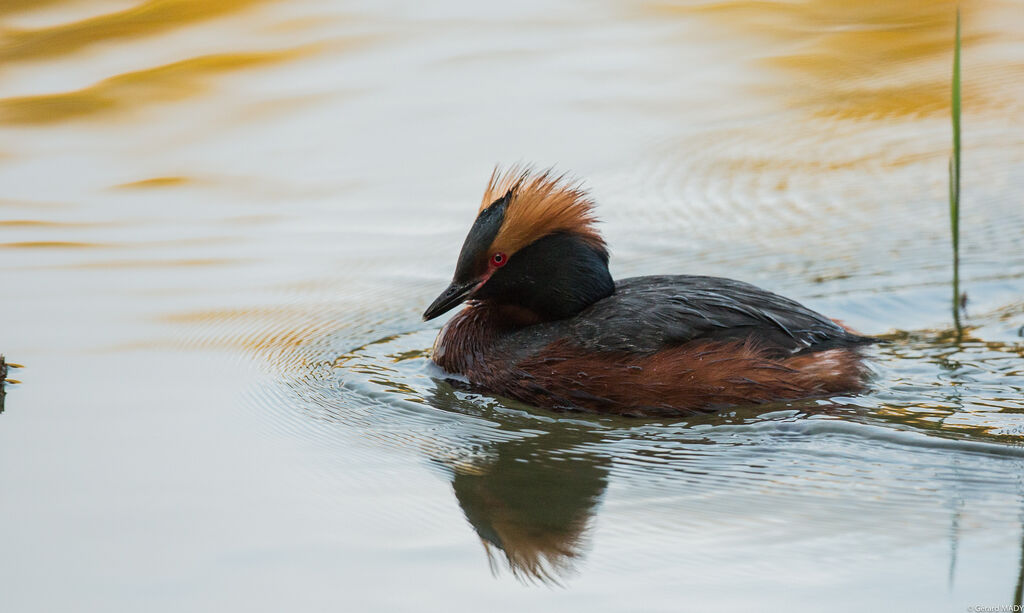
(1018, 592)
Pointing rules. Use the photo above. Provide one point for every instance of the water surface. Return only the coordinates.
(220, 222)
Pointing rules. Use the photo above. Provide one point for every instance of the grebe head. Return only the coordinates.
(533, 246)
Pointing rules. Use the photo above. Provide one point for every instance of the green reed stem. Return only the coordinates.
(954, 180)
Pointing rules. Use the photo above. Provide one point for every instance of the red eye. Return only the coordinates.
(498, 260)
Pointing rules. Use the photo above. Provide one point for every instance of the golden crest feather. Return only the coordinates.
(540, 203)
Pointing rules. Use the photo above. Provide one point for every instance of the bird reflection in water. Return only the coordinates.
(532, 507)
(531, 500)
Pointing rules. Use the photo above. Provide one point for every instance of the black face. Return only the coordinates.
(472, 264)
(553, 277)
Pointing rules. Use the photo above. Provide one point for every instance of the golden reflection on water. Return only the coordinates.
(17, 6)
(129, 91)
(40, 223)
(175, 263)
(144, 19)
(870, 58)
(154, 182)
(50, 245)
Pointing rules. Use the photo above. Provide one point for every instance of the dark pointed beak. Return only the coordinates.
(449, 299)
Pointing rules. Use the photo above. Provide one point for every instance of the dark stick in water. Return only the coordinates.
(3, 379)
